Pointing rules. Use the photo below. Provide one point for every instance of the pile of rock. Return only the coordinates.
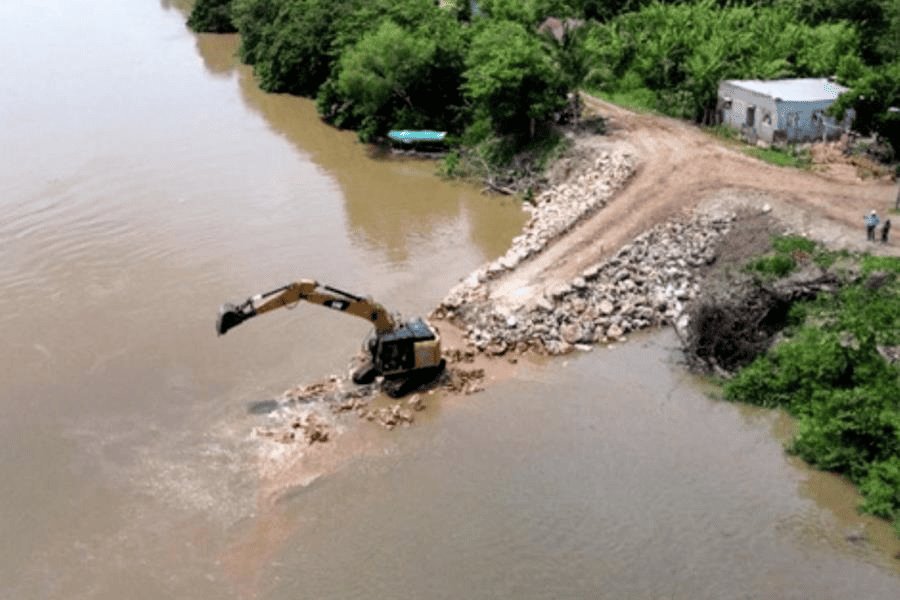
(646, 283)
(556, 211)
(309, 428)
(463, 381)
(309, 413)
(334, 390)
(397, 414)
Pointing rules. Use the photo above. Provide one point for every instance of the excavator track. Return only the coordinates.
(402, 386)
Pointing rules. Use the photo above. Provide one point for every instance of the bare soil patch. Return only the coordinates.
(678, 167)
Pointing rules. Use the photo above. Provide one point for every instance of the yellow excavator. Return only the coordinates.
(406, 353)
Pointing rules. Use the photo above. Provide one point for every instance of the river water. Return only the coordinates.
(144, 181)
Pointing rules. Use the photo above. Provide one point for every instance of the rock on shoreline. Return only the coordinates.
(555, 212)
(308, 414)
(646, 283)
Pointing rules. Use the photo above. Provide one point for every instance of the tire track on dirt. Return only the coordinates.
(677, 167)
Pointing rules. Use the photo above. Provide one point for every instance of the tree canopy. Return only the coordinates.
(510, 78)
(381, 64)
(213, 16)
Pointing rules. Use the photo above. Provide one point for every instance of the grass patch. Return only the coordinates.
(791, 244)
(770, 267)
(723, 132)
(789, 251)
(783, 157)
(825, 258)
(639, 100)
(888, 264)
(792, 157)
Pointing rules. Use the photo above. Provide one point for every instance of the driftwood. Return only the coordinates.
(520, 176)
(491, 186)
(737, 317)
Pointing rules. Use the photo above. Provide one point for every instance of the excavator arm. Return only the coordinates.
(307, 290)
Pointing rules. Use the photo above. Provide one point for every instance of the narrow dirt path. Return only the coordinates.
(679, 166)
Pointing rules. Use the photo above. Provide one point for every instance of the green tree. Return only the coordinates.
(878, 22)
(253, 19)
(367, 15)
(873, 93)
(830, 374)
(378, 73)
(511, 78)
(297, 58)
(213, 16)
(404, 77)
(679, 52)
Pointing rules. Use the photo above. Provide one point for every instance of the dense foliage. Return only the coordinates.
(397, 76)
(510, 79)
(213, 16)
(289, 43)
(378, 64)
(830, 374)
(670, 56)
(677, 54)
(383, 64)
(874, 91)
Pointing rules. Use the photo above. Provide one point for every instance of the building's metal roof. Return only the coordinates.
(793, 90)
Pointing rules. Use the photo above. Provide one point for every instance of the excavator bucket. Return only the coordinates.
(229, 316)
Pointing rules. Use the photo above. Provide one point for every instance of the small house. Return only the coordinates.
(781, 110)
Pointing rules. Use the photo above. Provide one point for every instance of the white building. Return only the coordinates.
(782, 110)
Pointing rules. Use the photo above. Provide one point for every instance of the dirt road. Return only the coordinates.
(679, 167)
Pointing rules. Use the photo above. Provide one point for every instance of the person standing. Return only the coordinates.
(871, 221)
(884, 231)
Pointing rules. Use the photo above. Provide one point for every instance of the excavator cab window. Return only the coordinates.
(396, 350)
(396, 355)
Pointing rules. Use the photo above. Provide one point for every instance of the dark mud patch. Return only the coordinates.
(750, 235)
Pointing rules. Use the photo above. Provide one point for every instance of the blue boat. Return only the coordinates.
(408, 137)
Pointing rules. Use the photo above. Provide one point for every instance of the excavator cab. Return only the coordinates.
(410, 347)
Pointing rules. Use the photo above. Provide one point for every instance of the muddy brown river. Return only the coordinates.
(144, 181)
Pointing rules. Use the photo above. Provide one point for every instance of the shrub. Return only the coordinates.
(778, 265)
(831, 375)
(788, 244)
(847, 430)
(881, 488)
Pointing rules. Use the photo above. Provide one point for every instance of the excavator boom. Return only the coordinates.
(307, 290)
